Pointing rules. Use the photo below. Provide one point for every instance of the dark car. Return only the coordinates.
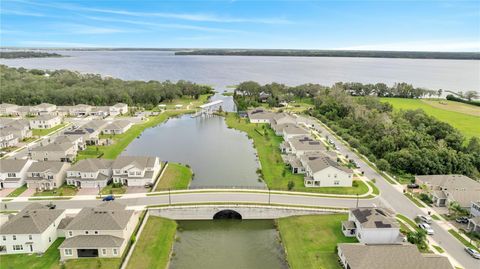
(463, 220)
(51, 206)
(108, 198)
(413, 186)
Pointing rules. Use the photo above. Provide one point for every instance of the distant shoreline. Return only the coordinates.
(27, 54)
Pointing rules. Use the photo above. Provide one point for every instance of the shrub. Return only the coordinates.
(383, 165)
(290, 185)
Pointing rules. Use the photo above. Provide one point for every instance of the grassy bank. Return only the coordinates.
(274, 170)
(175, 177)
(154, 244)
(310, 241)
(42, 132)
(464, 117)
(121, 141)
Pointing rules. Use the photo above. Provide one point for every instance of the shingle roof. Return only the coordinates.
(375, 217)
(11, 165)
(460, 188)
(44, 166)
(91, 165)
(33, 219)
(360, 256)
(54, 147)
(45, 117)
(306, 143)
(140, 162)
(318, 162)
(259, 113)
(104, 217)
(291, 128)
(119, 124)
(92, 241)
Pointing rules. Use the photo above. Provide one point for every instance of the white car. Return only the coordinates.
(424, 218)
(472, 252)
(426, 228)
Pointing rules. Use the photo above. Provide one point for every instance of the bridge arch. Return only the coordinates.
(227, 214)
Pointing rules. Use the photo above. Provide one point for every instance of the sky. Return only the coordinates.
(356, 25)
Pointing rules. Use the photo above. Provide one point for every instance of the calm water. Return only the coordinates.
(221, 71)
(231, 244)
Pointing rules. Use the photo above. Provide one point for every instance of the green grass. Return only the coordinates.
(64, 190)
(438, 248)
(110, 189)
(154, 244)
(376, 191)
(18, 191)
(467, 124)
(185, 101)
(42, 132)
(50, 259)
(310, 241)
(410, 222)
(121, 141)
(435, 217)
(461, 239)
(100, 263)
(175, 177)
(414, 200)
(275, 172)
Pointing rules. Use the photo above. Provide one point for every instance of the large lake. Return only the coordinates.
(222, 71)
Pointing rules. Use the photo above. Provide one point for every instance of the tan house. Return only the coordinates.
(7, 139)
(102, 231)
(7, 109)
(259, 115)
(118, 109)
(62, 152)
(45, 122)
(90, 173)
(80, 110)
(117, 127)
(76, 140)
(135, 170)
(43, 109)
(46, 175)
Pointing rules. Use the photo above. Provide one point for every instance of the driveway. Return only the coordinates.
(87, 191)
(136, 190)
(5, 192)
(27, 193)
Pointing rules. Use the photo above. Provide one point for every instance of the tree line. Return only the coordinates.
(26, 54)
(62, 87)
(406, 142)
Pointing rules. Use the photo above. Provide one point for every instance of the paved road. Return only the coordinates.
(392, 197)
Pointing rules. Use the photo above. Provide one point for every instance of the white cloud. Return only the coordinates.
(21, 13)
(432, 45)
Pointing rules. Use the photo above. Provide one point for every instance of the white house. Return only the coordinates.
(322, 171)
(45, 122)
(100, 111)
(7, 139)
(103, 231)
(32, 230)
(299, 145)
(63, 152)
(117, 127)
(90, 173)
(372, 225)
(135, 170)
(13, 172)
(80, 110)
(43, 109)
(7, 109)
(258, 115)
(118, 109)
(46, 175)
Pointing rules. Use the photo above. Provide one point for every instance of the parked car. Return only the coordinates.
(108, 198)
(51, 205)
(425, 219)
(148, 185)
(463, 220)
(473, 252)
(413, 186)
(426, 228)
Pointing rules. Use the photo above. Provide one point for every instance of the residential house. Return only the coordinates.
(474, 225)
(263, 97)
(299, 145)
(24, 111)
(100, 111)
(8, 109)
(322, 171)
(103, 231)
(475, 209)
(259, 115)
(90, 173)
(372, 225)
(283, 118)
(76, 140)
(80, 110)
(135, 170)
(45, 122)
(90, 131)
(13, 172)
(32, 230)
(18, 127)
(398, 256)
(7, 139)
(292, 130)
(46, 175)
(62, 152)
(118, 109)
(117, 127)
(451, 188)
(44, 109)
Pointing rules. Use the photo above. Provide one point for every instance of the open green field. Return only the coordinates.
(274, 170)
(42, 132)
(175, 177)
(310, 241)
(464, 117)
(154, 244)
(121, 141)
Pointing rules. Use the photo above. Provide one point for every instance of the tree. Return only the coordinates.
(383, 165)
(471, 95)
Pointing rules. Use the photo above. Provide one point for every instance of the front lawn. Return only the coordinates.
(43, 132)
(154, 244)
(311, 241)
(18, 191)
(99, 263)
(175, 177)
(275, 172)
(64, 190)
(50, 259)
(113, 189)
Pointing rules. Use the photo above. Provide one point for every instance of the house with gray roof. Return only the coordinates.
(135, 170)
(322, 171)
(100, 111)
(32, 230)
(46, 175)
(7, 109)
(90, 173)
(117, 127)
(451, 188)
(45, 121)
(259, 115)
(80, 110)
(43, 109)
(372, 225)
(398, 256)
(299, 145)
(62, 152)
(13, 172)
(118, 109)
(102, 231)
(76, 140)
(7, 139)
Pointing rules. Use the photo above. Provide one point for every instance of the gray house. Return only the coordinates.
(90, 173)
(46, 175)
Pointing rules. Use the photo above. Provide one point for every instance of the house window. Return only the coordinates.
(104, 251)
(11, 174)
(30, 237)
(49, 239)
(70, 233)
(96, 232)
(68, 252)
(14, 237)
(336, 182)
(86, 232)
(115, 252)
(17, 247)
(138, 173)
